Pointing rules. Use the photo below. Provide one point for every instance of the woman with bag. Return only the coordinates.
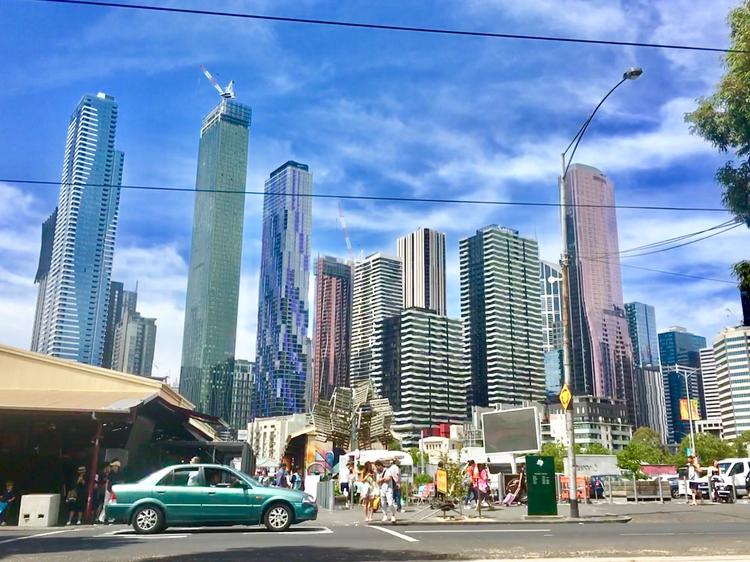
(75, 499)
(368, 490)
(483, 485)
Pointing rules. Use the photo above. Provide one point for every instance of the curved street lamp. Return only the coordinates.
(630, 74)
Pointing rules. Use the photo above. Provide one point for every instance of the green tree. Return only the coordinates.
(394, 445)
(723, 119)
(417, 457)
(558, 451)
(708, 447)
(740, 444)
(644, 447)
(596, 449)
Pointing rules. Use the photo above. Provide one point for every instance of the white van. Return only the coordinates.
(735, 472)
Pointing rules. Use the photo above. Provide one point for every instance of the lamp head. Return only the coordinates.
(632, 73)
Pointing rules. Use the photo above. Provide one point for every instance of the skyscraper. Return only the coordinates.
(74, 308)
(732, 360)
(710, 396)
(283, 311)
(552, 332)
(425, 373)
(242, 391)
(332, 326)
(376, 295)
(651, 410)
(677, 346)
(134, 343)
(501, 316)
(209, 336)
(114, 315)
(602, 353)
(42, 271)
(422, 254)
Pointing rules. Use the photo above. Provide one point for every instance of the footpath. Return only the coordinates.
(602, 512)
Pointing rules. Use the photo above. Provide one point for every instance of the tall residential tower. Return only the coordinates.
(422, 254)
(501, 316)
(210, 332)
(282, 351)
(74, 307)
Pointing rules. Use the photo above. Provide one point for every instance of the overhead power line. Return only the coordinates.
(665, 272)
(675, 246)
(382, 198)
(387, 27)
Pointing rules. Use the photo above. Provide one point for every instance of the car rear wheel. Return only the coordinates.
(148, 520)
(278, 517)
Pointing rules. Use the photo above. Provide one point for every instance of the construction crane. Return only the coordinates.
(345, 228)
(227, 92)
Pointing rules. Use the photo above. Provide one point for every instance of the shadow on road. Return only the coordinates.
(65, 543)
(307, 553)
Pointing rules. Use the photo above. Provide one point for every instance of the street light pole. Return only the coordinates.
(630, 74)
(685, 374)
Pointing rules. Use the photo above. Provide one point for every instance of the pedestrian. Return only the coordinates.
(469, 483)
(345, 474)
(483, 485)
(7, 501)
(694, 469)
(385, 483)
(101, 491)
(195, 460)
(297, 480)
(282, 481)
(395, 473)
(115, 477)
(265, 479)
(75, 498)
(368, 490)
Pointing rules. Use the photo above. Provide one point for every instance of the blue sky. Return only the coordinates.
(371, 112)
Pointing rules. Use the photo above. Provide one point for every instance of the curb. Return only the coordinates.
(527, 520)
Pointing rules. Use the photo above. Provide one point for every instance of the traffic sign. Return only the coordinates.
(566, 397)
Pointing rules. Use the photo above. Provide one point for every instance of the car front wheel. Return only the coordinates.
(278, 517)
(148, 520)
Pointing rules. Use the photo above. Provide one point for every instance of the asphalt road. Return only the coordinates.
(317, 543)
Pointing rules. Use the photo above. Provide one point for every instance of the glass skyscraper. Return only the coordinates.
(282, 352)
(73, 312)
(602, 354)
(215, 257)
(552, 332)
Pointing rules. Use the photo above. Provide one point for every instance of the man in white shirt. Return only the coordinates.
(394, 471)
(345, 474)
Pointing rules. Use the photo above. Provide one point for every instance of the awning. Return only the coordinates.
(72, 401)
(304, 431)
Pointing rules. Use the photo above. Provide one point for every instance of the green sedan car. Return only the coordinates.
(206, 494)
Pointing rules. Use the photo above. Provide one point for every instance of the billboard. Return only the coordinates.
(511, 431)
(693, 413)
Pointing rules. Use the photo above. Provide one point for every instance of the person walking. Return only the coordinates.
(282, 481)
(483, 485)
(345, 476)
(101, 491)
(369, 488)
(394, 471)
(297, 480)
(469, 483)
(385, 484)
(75, 498)
(114, 476)
(694, 469)
(7, 501)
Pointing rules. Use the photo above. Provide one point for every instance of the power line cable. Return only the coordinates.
(383, 198)
(677, 238)
(657, 251)
(387, 27)
(665, 272)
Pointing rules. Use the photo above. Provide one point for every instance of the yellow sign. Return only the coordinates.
(566, 397)
(689, 414)
(441, 481)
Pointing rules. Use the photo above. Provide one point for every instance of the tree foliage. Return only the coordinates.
(740, 445)
(595, 449)
(558, 451)
(708, 448)
(644, 447)
(415, 457)
(723, 119)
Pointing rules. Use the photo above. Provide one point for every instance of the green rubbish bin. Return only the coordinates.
(540, 474)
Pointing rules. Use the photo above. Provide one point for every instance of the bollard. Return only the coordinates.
(661, 494)
(687, 491)
(635, 489)
(609, 484)
(734, 494)
(710, 495)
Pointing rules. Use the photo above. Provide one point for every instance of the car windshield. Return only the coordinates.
(724, 467)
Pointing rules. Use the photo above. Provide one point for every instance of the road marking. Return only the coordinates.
(150, 537)
(395, 534)
(441, 531)
(302, 532)
(647, 534)
(38, 535)
(133, 535)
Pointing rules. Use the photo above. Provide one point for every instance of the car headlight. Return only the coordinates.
(307, 498)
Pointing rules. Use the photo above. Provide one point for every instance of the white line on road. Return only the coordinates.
(395, 534)
(38, 535)
(441, 531)
(300, 532)
(647, 534)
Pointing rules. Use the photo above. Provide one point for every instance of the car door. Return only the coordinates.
(737, 475)
(229, 498)
(182, 491)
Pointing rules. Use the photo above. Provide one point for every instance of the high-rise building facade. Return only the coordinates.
(677, 346)
(74, 308)
(651, 410)
(210, 331)
(332, 326)
(282, 351)
(376, 295)
(552, 332)
(242, 389)
(422, 254)
(42, 271)
(602, 355)
(134, 343)
(501, 316)
(710, 398)
(732, 363)
(425, 373)
(114, 316)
